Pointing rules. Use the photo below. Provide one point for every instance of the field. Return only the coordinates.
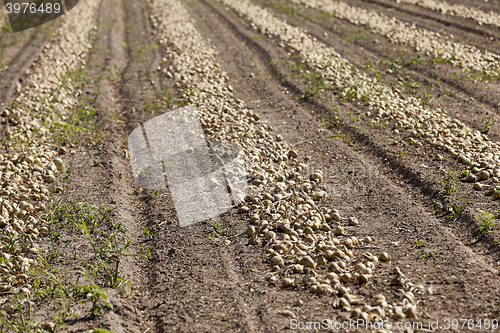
(369, 135)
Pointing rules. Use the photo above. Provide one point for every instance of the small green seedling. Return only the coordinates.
(212, 238)
(221, 231)
(147, 254)
(485, 223)
(152, 232)
(427, 254)
(487, 124)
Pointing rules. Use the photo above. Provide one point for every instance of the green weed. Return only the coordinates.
(21, 323)
(75, 214)
(419, 243)
(151, 233)
(316, 85)
(80, 127)
(334, 121)
(61, 292)
(350, 92)
(141, 50)
(485, 223)
(221, 231)
(451, 185)
(289, 10)
(94, 294)
(448, 211)
(66, 176)
(353, 37)
(487, 124)
(400, 153)
(99, 330)
(109, 253)
(427, 254)
(378, 124)
(168, 97)
(336, 136)
(211, 238)
(147, 254)
(369, 64)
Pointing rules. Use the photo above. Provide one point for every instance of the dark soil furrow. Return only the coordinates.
(460, 32)
(141, 92)
(113, 181)
(464, 24)
(486, 6)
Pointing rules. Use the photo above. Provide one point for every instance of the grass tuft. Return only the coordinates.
(485, 223)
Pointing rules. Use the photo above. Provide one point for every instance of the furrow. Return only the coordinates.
(439, 19)
(100, 176)
(477, 15)
(422, 40)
